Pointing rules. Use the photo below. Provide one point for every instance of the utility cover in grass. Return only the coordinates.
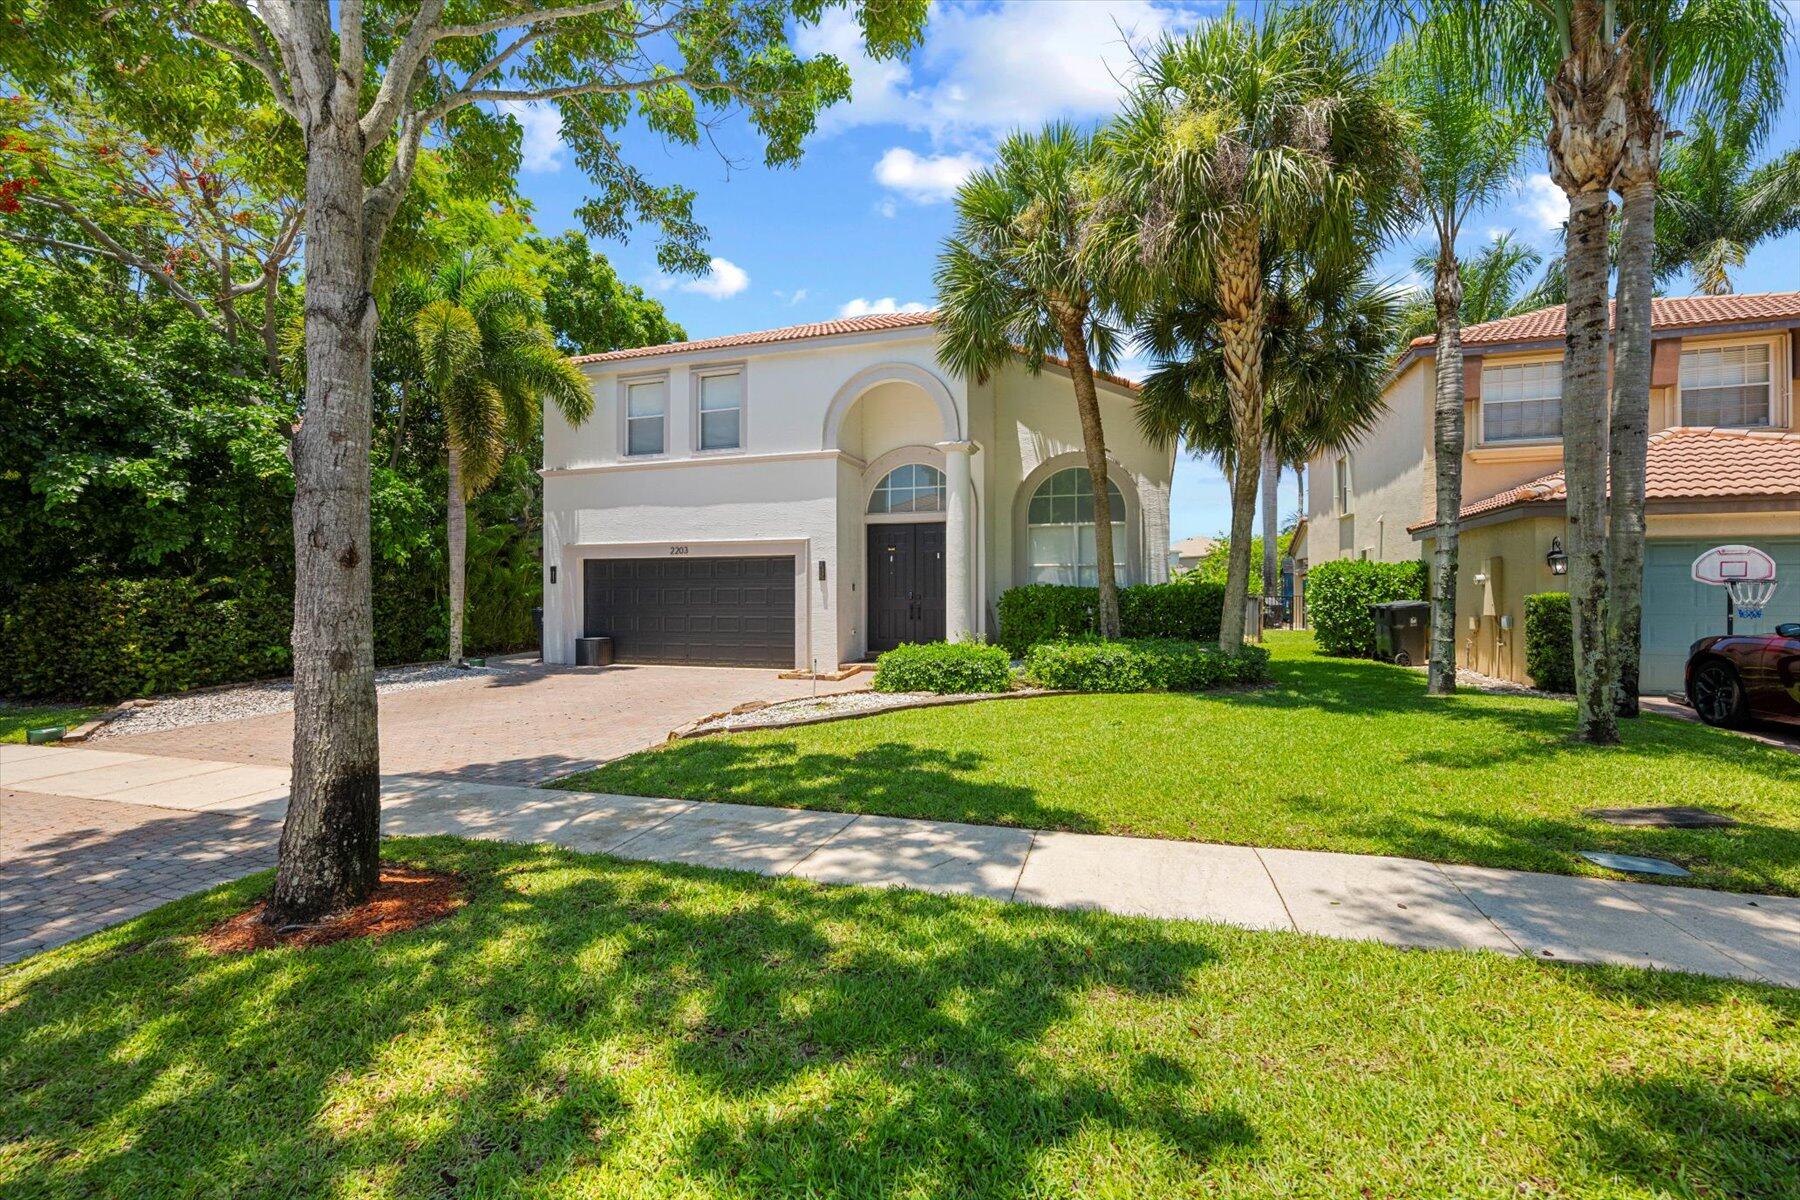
(1670, 816)
(1633, 864)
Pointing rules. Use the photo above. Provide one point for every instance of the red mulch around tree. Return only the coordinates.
(406, 899)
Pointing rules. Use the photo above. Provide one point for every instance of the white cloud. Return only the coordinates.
(541, 148)
(723, 280)
(1544, 202)
(794, 297)
(860, 307)
(928, 179)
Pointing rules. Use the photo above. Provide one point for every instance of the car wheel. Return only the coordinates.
(1402, 659)
(1718, 695)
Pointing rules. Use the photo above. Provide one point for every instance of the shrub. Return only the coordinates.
(944, 667)
(1550, 641)
(1143, 665)
(1048, 612)
(1338, 595)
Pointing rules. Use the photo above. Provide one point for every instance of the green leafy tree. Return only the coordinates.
(590, 309)
(1011, 279)
(1494, 284)
(1716, 203)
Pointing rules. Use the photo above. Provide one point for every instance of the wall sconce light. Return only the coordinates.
(1481, 577)
(1556, 560)
(821, 570)
(552, 572)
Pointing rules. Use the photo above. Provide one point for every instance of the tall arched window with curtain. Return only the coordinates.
(1059, 529)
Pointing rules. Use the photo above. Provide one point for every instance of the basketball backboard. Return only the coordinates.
(1724, 565)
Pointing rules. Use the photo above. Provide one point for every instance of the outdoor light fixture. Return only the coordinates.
(821, 570)
(552, 572)
(1556, 560)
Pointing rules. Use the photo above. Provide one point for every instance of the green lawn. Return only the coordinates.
(586, 1027)
(15, 719)
(1341, 754)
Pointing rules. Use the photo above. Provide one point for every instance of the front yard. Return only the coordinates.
(1340, 754)
(17, 719)
(590, 1027)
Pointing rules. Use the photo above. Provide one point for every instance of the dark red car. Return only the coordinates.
(1734, 679)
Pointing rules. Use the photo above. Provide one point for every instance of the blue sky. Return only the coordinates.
(856, 226)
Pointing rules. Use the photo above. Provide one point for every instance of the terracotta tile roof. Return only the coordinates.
(1684, 463)
(1676, 312)
(791, 333)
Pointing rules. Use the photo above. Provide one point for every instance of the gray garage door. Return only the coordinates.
(736, 612)
(1678, 611)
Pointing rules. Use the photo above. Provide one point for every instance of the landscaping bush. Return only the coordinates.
(1143, 665)
(1338, 595)
(1048, 612)
(944, 667)
(1550, 641)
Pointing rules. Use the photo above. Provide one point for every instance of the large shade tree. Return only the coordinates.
(366, 83)
(1011, 280)
(1247, 140)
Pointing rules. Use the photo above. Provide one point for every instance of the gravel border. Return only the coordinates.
(844, 706)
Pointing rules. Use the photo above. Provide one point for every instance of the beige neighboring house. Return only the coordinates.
(808, 496)
(1186, 554)
(1723, 467)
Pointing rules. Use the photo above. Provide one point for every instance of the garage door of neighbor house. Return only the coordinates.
(1678, 611)
(734, 612)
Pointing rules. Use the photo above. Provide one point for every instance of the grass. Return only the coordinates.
(15, 719)
(1341, 754)
(587, 1027)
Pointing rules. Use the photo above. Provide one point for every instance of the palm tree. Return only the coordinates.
(1468, 146)
(1715, 205)
(1010, 280)
(490, 362)
(1492, 282)
(1241, 143)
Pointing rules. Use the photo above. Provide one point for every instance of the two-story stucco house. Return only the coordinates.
(1723, 467)
(806, 497)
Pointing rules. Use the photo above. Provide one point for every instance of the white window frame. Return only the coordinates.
(1343, 485)
(1121, 532)
(626, 383)
(1777, 390)
(697, 377)
(1490, 369)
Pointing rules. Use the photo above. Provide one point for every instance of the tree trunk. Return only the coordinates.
(1240, 340)
(458, 527)
(329, 855)
(1270, 482)
(1072, 325)
(1448, 437)
(1636, 184)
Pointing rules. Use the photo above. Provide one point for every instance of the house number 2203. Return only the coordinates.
(678, 549)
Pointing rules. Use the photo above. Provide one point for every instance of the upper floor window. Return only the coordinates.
(722, 410)
(1060, 529)
(646, 416)
(912, 488)
(1521, 403)
(1727, 385)
(1340, 481)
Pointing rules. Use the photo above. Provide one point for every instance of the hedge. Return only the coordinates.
(1143, 665)
(1340, 591)
(944, 667)
(1550, 641)
(1047, 612)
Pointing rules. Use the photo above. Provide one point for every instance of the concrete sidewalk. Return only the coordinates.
(1403, 902)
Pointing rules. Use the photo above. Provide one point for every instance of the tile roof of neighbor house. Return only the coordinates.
(874, 323)
(1677, 312)
(1195, 547)
(1683, 463)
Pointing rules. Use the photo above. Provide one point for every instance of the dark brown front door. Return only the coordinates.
(906, 584)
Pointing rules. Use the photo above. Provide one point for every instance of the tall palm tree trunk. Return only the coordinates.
(1240, 340)
(1447, 432)
(458, 528)
(1071, 325)
(1270, 482)
(1636, 184)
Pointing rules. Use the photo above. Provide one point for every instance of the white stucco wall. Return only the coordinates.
(1391, 478)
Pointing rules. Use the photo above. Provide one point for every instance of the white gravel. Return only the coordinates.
(259, 699)
(1476, 681)
(844, 704)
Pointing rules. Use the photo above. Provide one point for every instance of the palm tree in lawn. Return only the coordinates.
(1716, 204)
(1467, 151)
(1243, 142)
(1010, 281)
(1493, 285)
(490, 362)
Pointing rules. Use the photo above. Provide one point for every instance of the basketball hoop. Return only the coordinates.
(1746, 573)
(1750, 596)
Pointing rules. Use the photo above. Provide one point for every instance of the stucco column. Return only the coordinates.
(959, 539)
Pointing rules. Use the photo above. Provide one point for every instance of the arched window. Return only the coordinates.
(1060, 529)
(912, 488)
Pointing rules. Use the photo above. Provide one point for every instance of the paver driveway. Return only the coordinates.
(527, 724)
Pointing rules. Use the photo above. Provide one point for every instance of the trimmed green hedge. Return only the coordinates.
(1143, 665)
(1340, 591)
(944, 667)
(1048, 612)
(1550, 641)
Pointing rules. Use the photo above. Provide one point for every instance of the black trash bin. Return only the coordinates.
(537, 623)
(593, 652)
(1402, 631)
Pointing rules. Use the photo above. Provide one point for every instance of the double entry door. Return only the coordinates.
(905, 584)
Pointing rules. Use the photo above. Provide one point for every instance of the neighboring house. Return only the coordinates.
(809, 496)
(1723, 466)
(1186, 554)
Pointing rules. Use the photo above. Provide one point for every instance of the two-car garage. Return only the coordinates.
(736, 611)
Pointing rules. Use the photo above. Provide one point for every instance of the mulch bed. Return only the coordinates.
(405, 899)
